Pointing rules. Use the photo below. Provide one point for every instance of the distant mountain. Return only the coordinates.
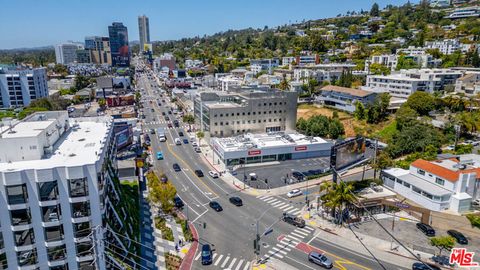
(49, 47)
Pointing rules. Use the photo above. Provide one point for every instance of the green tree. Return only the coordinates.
(474, 220)
(284, 85)
(359, 111)
(374, 11)
(406, 63)
(337, 197)
(102, 102)
(335, 129)
(443, 243)
(200, 136)
(421, 102)
(161, 193)
(379, 69)
(81, 82)
(404, 116)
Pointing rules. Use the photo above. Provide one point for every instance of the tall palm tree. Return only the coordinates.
(337, 197)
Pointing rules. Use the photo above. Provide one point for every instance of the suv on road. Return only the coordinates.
(178, 202)
(213, 174)
(176, 167)
(291, 219)
(236, 201)
(199, 173)
(206, 254)
(320, 259)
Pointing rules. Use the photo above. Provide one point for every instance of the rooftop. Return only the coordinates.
(449, 169)
(345, 90)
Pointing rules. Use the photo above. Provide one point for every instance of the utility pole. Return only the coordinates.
(375, 159)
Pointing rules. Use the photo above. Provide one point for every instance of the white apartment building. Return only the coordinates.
(19, 87)
(287, 60)
(448, 184)
(423, 60)
(192, 63)
(266, 64)
(321, 72)
(406, 82)
(55, 187)
(468, 84)
(66, 53)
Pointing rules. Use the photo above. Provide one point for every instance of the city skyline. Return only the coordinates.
(46, 31)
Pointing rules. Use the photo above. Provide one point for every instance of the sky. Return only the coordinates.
(34, 23)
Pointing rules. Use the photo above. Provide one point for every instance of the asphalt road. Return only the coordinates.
(231, 232)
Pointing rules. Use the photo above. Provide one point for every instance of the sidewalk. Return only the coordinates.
(343, 236)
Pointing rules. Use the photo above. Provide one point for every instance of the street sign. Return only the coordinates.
(269, 231)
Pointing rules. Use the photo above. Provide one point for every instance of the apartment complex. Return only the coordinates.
(98, 51)
(406, 82)
(19, 87)
(321, 72)
(267, 65)
(438, 185)
(118, 34)
(423, 60)
(468, 84)
(245, 110)
(66, 53)
(144, 31)
(344, 98)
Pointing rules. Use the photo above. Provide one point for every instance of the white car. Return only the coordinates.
(213, 174)
(294, 193)
(194, 144)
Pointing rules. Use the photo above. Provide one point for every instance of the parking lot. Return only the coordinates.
(407, 232)
(278, 175)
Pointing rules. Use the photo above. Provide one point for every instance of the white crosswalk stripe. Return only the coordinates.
(218, 260)
(297, 235)
(225, 262)
(301, 232)
(262, 197)
(297, 212)
(284, 247)
(294, 210)
(308, 228)
(287, 209)
(275, 254)
(287, 243)
(239, 264)
(232, 263)
(270, 200)
(284, 207)
(278, 250)
(198, 256)
(277, 204)
(293, 239)
(247, 266)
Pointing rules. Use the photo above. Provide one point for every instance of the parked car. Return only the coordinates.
(215, 206)
(442, 260)
(194, 144)
(291, 219)
(236, 201)
(167, 118)
(476, 202)
(206, 254)
(297, 175)
(426, 229)
(152, 131)
(169, 125)
(159, 155)
(153, 110)
(461, 239)
(163, 113)
(180, 134)
(175, 123)
(294, 193)
(176, 167)
(424, 266)
(199, 173)
(320, 259)
(178, 202)
(213, 174)
(198, 150)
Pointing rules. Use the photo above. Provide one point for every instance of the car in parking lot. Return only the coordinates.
(175, 123)
(153, 110)
(152, 131)
(169, 112)
(320, 259)
(426, 229)
(215, 206)
(176, 167)
(236, 201)
(178, 141)
(159, 155)
(424, 266)
(297, 175)
(442, 260)
(294, 193)
(206, 254)
(459, 237)
(213, 174)
(197, 149)
(185, 141)
(180, 134)
(293, 220)
(199, 173)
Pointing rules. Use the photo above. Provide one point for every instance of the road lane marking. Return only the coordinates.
(198, 256)
(239, 264)
(284, 247)
(285, 207)
(297, 235)
(218, 260)
(299, 262)
(225, 262)
(294, 238)
(246, 266)
(200, 215)
(279, 250)
(315, 236)
(232, 263)
(277, 204)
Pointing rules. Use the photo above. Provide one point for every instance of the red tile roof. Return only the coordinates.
(440, 171)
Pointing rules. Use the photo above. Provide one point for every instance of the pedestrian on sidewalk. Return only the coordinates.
(180, 242)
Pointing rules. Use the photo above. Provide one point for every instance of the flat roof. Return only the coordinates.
(80, 145)
(27, 129)
(221, 104)
(350, 91)
(424, 185)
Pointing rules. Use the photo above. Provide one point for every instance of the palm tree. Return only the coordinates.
(337, 197)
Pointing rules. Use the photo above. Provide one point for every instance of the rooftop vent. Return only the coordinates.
(72, 155)
(81, 140)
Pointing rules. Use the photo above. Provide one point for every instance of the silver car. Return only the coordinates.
(320, 259)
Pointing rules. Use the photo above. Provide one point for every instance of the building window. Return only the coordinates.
(80, 209)
(27, 257)
(51, 213)
(54, 233)
(84, 249)
(399, 181)
(81, 229)
(421, 172)
(87, 265)
(439, 181)
(243, 113)
(221, 123)
(417, 190)
(17, 194)
(238, 114)
(248, 113)
(56, 253)
(48, 191)
(20, 217)
(254, 113)
(406, 184)
(78, 187)
(2, 244)
(24, 238)
(215, 124)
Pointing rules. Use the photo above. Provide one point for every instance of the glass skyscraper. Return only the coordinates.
(118, 34)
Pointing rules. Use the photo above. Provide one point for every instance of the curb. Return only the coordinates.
(188, 259)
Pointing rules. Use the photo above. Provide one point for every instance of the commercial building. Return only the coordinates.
(344, 98)
(406, 82)
(257, 148)
(446, 46)
(448, 184)
(18, 87)
(322, 72)
(144, 31)
(245, 110)
(99, 48)
(468, 84)
(66, 53)
(306, 60)
(84, 56)
(58, 188)
(118, 34)
(165, 60)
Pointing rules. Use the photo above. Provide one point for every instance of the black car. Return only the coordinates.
(236, 201)
(442, 260)
(461, 239)
(199, 173)
(169, 112)
(153, 110)
(175, 123)
(176, 167)
(178, 202)
(297, 175)
(180, 134)
(163, 113)
(167, 118)
(424, 266)
(152, 131)
(215, 206)
(206, 254)
(426, 229)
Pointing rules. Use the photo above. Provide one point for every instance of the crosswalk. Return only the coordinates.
(287, 243)
(226, 262)
(280, 204)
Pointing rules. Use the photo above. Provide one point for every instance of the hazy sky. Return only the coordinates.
(33, 23)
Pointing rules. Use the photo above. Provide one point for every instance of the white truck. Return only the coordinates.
(161, 134)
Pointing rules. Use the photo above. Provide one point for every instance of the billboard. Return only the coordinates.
(123, 134)
(147, 47)
(347, 153)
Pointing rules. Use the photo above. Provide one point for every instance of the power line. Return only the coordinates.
(108, 243)
(123, 256)
(360, 240)
(129, 239)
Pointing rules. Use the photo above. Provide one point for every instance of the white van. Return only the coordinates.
(177, 141)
